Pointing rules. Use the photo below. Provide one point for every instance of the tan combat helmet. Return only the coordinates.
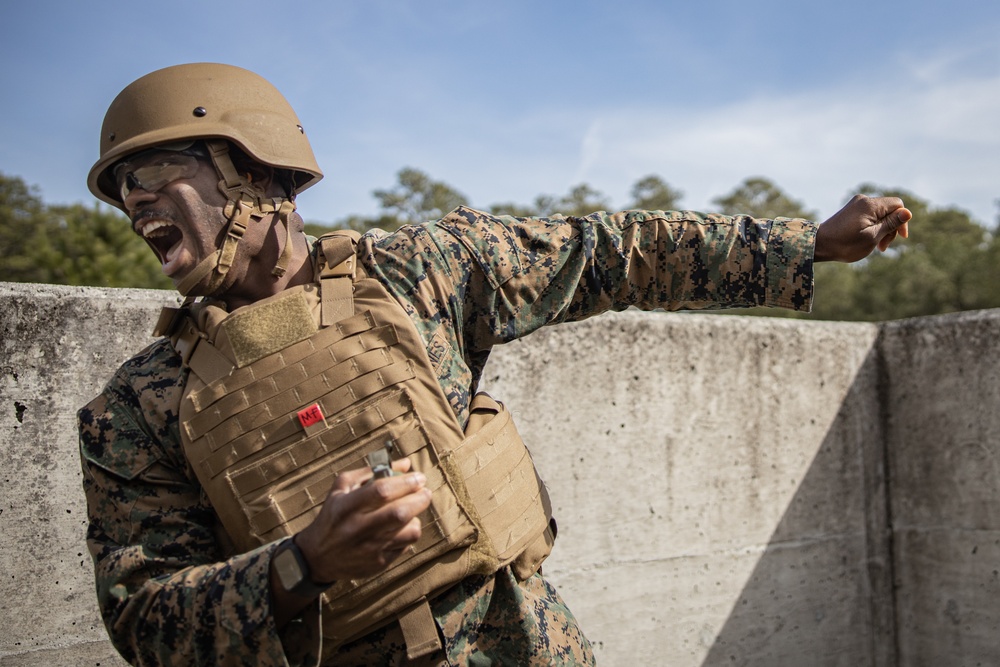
(213, 103)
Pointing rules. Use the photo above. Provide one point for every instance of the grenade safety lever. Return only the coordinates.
(380, 462)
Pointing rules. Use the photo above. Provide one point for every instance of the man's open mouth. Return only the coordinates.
(164, 238)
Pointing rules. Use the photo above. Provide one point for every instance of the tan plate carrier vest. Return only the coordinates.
(287, 392)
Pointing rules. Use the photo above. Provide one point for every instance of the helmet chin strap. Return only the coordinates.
(244, 204)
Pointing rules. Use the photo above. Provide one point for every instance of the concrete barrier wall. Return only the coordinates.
(943, 445)
(729, 490)
(717, 482)
(58, 346)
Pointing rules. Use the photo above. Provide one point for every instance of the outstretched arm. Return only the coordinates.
(864, 224)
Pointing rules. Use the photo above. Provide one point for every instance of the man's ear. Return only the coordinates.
(261, 176)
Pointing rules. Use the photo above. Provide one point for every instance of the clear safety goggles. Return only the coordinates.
(152, 170)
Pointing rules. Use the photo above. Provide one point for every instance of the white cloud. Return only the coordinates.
(936, 134)
(591, 149)
(929, 126)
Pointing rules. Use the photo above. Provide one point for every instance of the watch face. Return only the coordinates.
(289, 573)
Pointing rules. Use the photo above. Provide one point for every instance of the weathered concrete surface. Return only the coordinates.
(715, 481)
(720, 482)
(59, 346)
(944, 452)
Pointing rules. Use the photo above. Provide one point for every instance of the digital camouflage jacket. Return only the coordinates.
(170, 588)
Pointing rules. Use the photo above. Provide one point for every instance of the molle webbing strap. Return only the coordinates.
(187, 340)
(276, 412)
(343, 334)
(273, 385)
(447, 524)
(289, 388)
(274, 467)
(419, 630)
(505, 489)
(267, 424)
(352, 602)
(336, 267)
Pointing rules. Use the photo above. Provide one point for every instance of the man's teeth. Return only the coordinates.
(150, 228)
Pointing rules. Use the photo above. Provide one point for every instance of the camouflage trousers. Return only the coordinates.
(493, 620)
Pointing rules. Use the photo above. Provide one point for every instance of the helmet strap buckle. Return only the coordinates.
(244, 203)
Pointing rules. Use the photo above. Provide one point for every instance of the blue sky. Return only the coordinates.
(507, 100)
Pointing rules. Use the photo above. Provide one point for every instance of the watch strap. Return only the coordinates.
(305, 586)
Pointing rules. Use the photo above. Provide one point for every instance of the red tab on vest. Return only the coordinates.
(312, 419)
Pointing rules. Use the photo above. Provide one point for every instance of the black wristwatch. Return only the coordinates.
(293, 571)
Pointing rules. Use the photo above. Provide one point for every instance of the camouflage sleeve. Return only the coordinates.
(167, 594)
(513, 275)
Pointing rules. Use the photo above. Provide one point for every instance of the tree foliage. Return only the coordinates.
(22, 218)
(760, 198)
(652, 193)
(581, 200)
(949, 263)
(70, 245)
(96, 246)
(416, 198)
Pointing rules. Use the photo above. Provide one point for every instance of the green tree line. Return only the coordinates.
(950, 262)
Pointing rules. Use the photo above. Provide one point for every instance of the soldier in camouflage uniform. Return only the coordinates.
(171, 589)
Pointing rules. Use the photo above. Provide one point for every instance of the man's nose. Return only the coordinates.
(137, 198)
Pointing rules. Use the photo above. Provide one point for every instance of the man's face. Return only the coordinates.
(175, 206)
